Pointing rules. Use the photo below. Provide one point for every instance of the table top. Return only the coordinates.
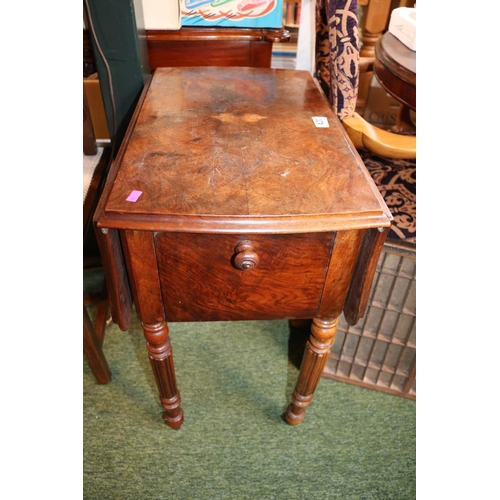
(396, 69)
(228, 149)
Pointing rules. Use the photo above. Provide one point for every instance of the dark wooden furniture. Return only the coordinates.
(213, 46)
(226, 202)
(93, 337)
(89, 140)
(203, 46)
(396, 70)
(93, 331)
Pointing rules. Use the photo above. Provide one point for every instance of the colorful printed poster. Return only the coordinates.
(235, 13)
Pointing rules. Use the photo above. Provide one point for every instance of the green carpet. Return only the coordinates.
(236, 380)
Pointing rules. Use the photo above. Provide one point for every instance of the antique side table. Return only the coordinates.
(236, 195)
(395, 68)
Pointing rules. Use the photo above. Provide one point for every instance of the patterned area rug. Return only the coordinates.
(397, 182)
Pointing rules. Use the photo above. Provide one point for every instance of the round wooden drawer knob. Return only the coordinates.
(245, 257)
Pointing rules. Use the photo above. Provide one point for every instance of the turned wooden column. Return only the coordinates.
(139, 252)
(160, 356)
(373, 23)
(314, 361)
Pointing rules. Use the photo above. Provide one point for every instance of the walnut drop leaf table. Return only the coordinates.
(236, 195)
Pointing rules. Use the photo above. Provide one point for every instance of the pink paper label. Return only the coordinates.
(134, 195)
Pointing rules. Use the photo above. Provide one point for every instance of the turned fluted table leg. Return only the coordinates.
(160, 355)
(313, 363)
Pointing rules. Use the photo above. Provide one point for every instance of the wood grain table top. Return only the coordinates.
(222, 148)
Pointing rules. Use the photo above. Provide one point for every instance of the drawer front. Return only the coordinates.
(208, 277)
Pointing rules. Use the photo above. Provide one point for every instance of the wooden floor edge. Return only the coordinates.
(365, 385)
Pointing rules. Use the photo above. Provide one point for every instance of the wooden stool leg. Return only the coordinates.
(92, 347)
(313, 363)
(160, 356)
(404, 124)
